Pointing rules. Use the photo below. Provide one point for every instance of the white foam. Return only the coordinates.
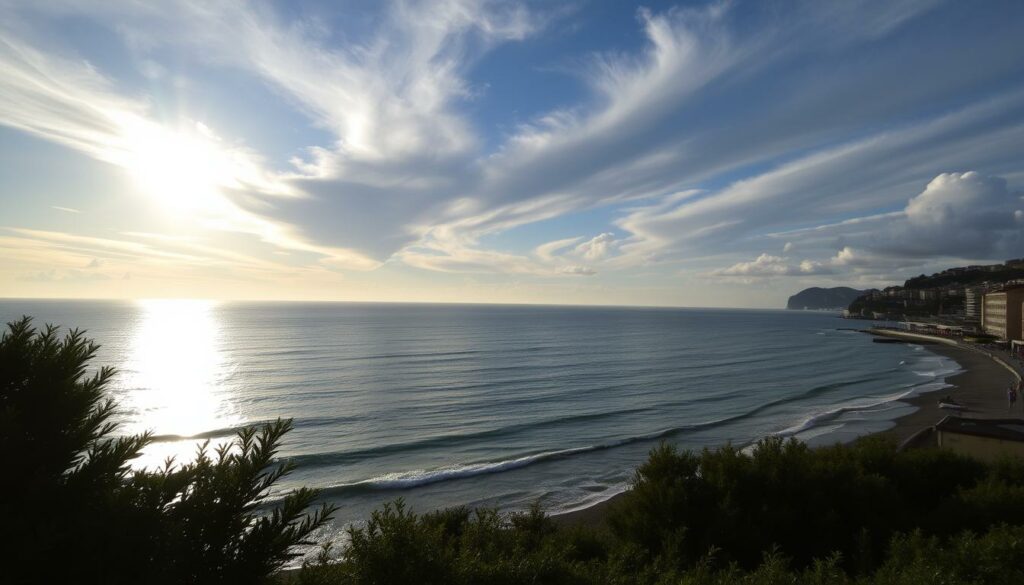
(938, 382)
(418, 477)
(594, 500)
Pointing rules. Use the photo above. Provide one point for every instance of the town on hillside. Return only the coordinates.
(984, 302)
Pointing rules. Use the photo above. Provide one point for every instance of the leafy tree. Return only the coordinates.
(75, 512)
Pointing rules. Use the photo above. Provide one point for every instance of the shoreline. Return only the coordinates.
(980, 385)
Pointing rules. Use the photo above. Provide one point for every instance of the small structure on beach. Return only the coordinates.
(987, 439)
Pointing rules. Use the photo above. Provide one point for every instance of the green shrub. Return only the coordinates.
(74, 511)
(996, 558)
(809, 503)
(453, 546)
(784, 513)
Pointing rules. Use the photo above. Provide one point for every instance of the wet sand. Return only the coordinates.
(980, 386)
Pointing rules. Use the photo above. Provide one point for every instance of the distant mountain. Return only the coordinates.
(818, 298)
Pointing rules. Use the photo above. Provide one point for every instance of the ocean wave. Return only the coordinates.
(404, 480)
(606, 493)
(454, 440)
(936, 383)
(420, 477)
(831, 415)
(211, 434)
(450, 440)
(230, 431)
(410, 479)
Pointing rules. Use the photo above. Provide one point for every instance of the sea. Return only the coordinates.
(485, 405)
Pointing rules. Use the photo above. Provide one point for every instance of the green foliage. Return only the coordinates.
(452, 546)
(76, 513)
(810, 503)
(784, 513)
(995, 558)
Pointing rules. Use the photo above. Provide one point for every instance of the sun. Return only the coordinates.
(182, 169)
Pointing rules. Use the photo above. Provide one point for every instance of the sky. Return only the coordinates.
(722, 153)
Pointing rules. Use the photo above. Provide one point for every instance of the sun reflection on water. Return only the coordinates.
(177, 376)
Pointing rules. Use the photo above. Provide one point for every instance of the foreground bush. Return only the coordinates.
(807, 503)
(460, 548)
(453, 546)
(784, 513)
(73, 510)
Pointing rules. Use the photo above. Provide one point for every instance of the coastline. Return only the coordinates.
(980, 386)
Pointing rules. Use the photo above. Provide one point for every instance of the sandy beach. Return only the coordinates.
(980, 386)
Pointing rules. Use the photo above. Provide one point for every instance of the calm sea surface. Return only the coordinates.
(486, 405)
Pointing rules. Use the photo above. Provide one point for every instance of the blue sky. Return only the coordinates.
(661, 153)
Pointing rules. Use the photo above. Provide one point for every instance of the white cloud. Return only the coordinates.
(849, 263)
(406, 174)
(72, 104)
(631, 139)
(597, 248)
(546, 252)
(767, 265)
(862, 261)
(965, 200)
(960, 217)
(578, 270)
(866, 174)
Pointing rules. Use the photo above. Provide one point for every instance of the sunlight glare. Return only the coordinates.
(177, 375)
(183, 169)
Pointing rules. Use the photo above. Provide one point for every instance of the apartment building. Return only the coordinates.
(1001, 313)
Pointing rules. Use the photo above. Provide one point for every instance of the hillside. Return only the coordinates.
(817, 298)
(942, 294)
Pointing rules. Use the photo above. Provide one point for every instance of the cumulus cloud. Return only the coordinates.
(861, 261)
(767, 265)
(962, 214)
(848, 262)
(958, 216)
